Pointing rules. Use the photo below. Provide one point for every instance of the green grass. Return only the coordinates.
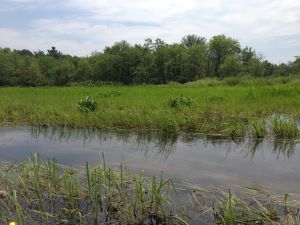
(228, 107)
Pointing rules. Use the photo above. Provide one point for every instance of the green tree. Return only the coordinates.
(192, 39)
(220, 47)
(84, 70)
(54, 53)
(63, 72)
(231, 66)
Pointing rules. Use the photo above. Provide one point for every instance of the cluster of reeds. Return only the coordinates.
(280, 127)
(246, 205)
(47, 193)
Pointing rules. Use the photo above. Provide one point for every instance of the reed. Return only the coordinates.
(47, 193)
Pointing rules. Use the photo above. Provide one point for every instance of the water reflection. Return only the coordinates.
(166, 142)
(190, 157)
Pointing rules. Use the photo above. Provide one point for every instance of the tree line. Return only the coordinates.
(154, 62)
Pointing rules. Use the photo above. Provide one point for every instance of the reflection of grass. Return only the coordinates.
(225, 107)
(46, 193)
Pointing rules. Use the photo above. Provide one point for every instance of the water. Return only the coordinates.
(207, 162)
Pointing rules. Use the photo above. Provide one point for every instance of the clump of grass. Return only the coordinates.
(47, 193)
(283, 127)
(245, 206)
(180, 101)
(257, 129)
(87, 105)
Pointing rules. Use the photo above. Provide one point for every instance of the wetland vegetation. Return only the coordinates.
(231, 107)
(44, 192)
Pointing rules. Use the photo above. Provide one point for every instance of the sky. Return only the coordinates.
(79, 27)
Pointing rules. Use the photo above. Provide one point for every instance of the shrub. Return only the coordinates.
(87, 105)
(179, 101)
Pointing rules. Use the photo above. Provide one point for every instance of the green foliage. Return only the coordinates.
(87, 105)
(231, 66)
(154, 62)
(180, 101)
(221, 47)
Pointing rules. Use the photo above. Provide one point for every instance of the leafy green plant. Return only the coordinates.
(87, 105)
(179, 101)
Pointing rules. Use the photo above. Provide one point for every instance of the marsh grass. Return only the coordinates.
(245, 205)
(208, 106)
(44, 192)
(258, 129)
(283, 127)
(47, 193)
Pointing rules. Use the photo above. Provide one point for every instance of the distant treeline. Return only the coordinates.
(154, 62)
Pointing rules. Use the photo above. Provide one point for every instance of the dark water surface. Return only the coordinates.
(265, 163)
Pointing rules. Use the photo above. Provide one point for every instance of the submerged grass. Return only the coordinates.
(46, 193)
(245, 205)
(215, 107)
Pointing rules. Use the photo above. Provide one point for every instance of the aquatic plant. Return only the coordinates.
(47, 193)
(257, 129)
(283, 127)
(245, 205)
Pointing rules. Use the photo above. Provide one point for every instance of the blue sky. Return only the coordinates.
(79, 27)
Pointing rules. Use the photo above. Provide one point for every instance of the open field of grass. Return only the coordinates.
(229, 107)
(44, 192)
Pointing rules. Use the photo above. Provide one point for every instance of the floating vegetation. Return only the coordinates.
(87, 105)
(46, 193)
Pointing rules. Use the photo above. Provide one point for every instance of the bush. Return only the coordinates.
(87, 105)
(179, 101)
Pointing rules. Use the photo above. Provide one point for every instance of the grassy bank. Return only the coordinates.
(43, 192)
(229, 107)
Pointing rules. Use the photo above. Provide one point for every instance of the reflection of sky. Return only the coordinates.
(82, 26)
(197, 161)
